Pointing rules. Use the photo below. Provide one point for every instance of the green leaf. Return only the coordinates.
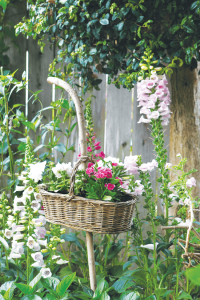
(3, 4)
(35, 280)
(101, 287)
(160, 292)
(104, 296)
(152, 297)
(31, 297)
(107, 198)
(130, 296)
(50, 297)
(29, 125)
(71, 237)
(9, 293)
(193, 274)
(104, 21)
(64, 284)
(184, 295)
(38, 148)
(60, 147)
(4, 243)
(6, 286)
(25, 289)
(140, 18)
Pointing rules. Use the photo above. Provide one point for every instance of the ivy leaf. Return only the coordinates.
(120, 26)
(93, 51)
(140, 19)
(104, 21)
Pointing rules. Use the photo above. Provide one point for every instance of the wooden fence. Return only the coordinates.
(115, 111)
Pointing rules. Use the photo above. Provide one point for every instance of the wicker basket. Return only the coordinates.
(87, 214)
(81, 213)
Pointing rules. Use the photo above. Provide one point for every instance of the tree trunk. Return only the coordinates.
(185, 121)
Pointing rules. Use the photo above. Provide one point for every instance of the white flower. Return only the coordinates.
(46, 272)
(149, 246)
(178, 155)
(32, 244)
(19, 200)
(62, 262)
(17, 236)
(30, 190)
(18, 208)
(42, 242)
(36, 171)
(37, 256)
(35, 205)
(20, 228)
(19, 188)
(39, 264)
(55, 256)
(40, 232)
(168, 166)
(41, 221)
(38, 197)
(62, 167)
(8, 233)
(22, 178)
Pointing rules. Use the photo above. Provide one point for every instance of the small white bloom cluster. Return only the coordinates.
(67, 167)
(150, 92)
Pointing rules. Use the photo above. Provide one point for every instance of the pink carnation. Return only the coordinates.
(89, 149)
(120, 181)
(89, 171)
(90, 164)
(97, 144)
(110, 186)
(114, 164)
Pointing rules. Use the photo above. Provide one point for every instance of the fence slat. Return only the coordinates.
(118, 122)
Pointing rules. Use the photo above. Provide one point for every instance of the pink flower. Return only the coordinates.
(79, 155)
(120, 180)
(89, 149)
(154, 115)
(191, 182)
(101, 154)
(90, 164)
(114, 164)
(89, 171)
(97, 144)
(93, 138)
(97, 147)
(144, 168)
(110, 186)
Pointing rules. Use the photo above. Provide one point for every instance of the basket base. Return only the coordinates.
(86, 229)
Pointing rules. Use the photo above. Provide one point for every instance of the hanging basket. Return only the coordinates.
(87, 214)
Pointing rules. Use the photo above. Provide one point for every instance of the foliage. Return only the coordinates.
(110, 37)
(7, 32)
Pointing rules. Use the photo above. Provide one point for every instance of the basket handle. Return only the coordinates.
(72, 179)
(79, 112)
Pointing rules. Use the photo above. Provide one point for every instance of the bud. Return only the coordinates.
(1, 216)
(7, 207)
(144, 68)
(1, 205)
(54, 248)
(62, 241)
(44, 250)
(48, 232)
(158, 69)
(50, 246)
(10, 210)
(151, 67)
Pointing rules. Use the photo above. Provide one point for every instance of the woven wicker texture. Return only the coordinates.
(87, 214)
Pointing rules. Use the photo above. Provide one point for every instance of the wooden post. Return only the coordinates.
(83, 144)
(91, 260)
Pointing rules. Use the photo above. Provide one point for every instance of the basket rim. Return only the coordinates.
(93, 201)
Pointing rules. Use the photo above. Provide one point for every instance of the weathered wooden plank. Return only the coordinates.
(118, 122)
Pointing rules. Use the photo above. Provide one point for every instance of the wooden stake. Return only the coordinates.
(83, 144)
(91, 260)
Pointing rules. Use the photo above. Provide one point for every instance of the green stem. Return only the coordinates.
(27, 265)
